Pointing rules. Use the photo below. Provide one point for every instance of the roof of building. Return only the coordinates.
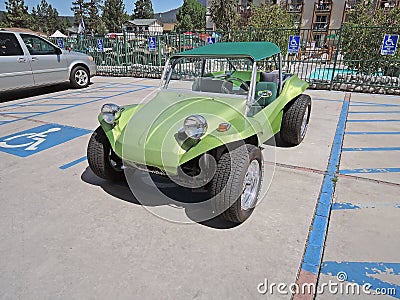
(256, 50)
(142, 22)
(23, 30)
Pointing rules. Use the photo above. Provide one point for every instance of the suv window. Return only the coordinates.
(9, 45)
(38, 46)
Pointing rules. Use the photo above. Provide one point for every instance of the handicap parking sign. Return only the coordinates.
(152, 43)
(38, 139)
(60, 43)
(389, 44)
(100, 45)
(210, 40)
(294, 44)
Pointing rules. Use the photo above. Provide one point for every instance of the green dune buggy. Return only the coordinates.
(204, 127)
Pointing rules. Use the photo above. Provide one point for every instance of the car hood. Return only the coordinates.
(151, 135)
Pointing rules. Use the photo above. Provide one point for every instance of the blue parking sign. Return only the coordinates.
(100, 45)
(210, 40)
(294, 44)
(38, 139)
(60, 43)
(152, 43)
(389, 44)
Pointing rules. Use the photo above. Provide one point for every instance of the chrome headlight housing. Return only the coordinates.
(195, 126)
(110, 113)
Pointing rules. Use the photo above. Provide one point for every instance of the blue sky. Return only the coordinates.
(63, 7)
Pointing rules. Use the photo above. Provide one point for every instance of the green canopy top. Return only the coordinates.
(256, 50)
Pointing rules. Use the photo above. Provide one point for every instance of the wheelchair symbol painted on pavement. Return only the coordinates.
(37, 139)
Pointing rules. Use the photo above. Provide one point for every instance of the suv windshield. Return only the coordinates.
(224, 76)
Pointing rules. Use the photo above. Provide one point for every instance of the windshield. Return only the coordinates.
(223, 76)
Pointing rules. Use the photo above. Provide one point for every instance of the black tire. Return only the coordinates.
(102, 159)
(80, 77)
(227, 186)
(293, 117)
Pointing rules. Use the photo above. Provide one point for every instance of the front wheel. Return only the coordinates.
(236, 184)
(102, 159)
(80, 77)
(295, 120)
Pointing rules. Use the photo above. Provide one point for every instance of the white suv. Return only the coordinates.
(27, 60)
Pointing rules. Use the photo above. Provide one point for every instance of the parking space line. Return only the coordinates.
(349, 206)
(372, 132)
(72, 106)
(311, 262)
(361, 103)
(368, 121)
(371, 149)
(75, 162)
(369, 171)
(375, 112)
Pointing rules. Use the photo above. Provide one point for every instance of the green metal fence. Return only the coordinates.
(348, 58)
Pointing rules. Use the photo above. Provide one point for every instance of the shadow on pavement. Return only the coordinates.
(122, 191)
(33, 92)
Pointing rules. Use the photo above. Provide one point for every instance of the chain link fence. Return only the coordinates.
(348, 58)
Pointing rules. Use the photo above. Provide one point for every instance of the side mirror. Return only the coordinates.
(58, 51)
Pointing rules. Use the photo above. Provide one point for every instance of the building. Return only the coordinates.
(319, 16)
(143, 26)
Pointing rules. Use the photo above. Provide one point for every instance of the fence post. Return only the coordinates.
(336, 57)
(126, 51)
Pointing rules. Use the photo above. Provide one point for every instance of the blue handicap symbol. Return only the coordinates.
(60, 43)
(210, 40)
(389, 44)
(38, 139)
(294, 44)
(152, 44)
(100, 45)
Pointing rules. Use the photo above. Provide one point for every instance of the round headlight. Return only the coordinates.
(110, 113)
(195, 126)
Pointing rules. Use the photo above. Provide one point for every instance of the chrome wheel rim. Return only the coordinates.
(304, 123)
(81, 77)
(251, 186)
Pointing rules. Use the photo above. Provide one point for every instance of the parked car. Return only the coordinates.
(216, 107)
(29, 60)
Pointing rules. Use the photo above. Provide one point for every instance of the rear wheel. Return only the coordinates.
(236, 184)
(102, 159)
(80, 77)
(295, 120)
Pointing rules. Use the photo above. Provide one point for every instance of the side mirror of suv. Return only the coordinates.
(58, 51)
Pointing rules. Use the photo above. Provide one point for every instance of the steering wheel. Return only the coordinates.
(224, 88)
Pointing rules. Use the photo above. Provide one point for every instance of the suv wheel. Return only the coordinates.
(236, 184)
(80, 77)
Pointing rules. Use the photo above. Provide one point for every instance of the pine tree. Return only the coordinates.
(143, 10)
(17, 14)
(80, 11)
(113, 15)
(191, 16)
(92, 8)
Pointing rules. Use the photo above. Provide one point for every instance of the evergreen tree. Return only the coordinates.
(113, 15)
(46, 18)
(92, 8)
(224, 13)
(79, 9)
(17, 14)
(191, 15)
(143, 10)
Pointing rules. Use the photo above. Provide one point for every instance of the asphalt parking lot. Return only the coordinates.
(66, 234)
